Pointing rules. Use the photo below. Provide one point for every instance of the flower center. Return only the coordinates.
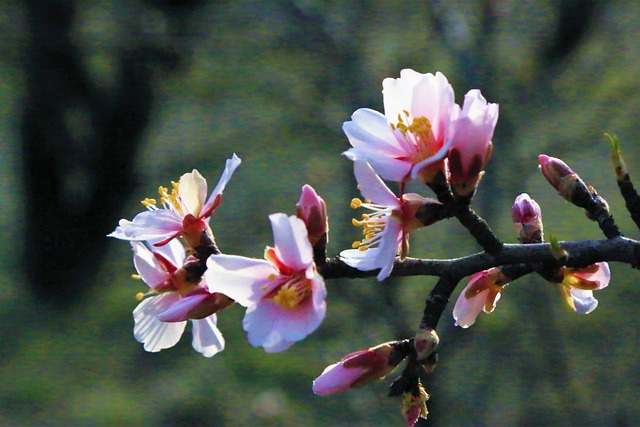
(418, 135)
(292, 292)
(372, 224)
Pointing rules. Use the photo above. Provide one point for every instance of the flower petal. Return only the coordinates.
(583, 301)
(372, 187)
(466, 309)
(230, 166)
(600, 276)
(207, 338)
(239, 278)
(147, 265)
(154, 334)
(149, 225)
(193, 191)
(291, 243)
(336, 378)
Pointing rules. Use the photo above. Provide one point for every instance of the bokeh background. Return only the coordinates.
(103, 101)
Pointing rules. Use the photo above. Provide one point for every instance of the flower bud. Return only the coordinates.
(578, 285)
(313, 211)
(471, 143)
(425, 343)
(197, 304)
(527, 218)
(357, 369)
(561, 176)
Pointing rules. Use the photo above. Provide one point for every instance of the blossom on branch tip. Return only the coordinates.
(527, 219)
(185, 211)
(412, 138)
(414, 405)
(156, 323)
(386, 229)
(356, 369)
(481, 294)
(578, 285)
(471, 146)
(284, 294)
(312, 209)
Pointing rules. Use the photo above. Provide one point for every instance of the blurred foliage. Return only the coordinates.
(273, 82)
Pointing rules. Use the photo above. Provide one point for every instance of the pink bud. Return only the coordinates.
(313, 211)
(471, 142)
(197, 304)
(527, 218)
(354, 370)
(560, 176)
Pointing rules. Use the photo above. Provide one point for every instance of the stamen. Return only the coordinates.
(355, 203)
(149, 203)
(293, 292)
(140, 296)
(136, 277)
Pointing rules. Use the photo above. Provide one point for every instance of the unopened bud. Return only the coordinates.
(616, 157)
(527, 219)
(561, 176)
(313, 211)
(425, 343)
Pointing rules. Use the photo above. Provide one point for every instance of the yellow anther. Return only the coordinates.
(355, 203)
(369, 236)
(139, 296)
(136, 276)
(356, 244)
(365, 217)
(271, 276)
(148, 202)
(175, 185)
(363, 248)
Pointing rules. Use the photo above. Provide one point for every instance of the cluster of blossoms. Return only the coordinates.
(284, 294)
(422, 135)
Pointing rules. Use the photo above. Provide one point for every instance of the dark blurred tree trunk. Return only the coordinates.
(79, 143)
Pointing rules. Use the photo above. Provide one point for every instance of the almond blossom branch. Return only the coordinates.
(581, 254)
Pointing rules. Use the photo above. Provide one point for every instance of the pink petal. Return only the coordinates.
(291, 243)
(336, 378)
(179, 311)
(601, 276)
(147, 265)
(466, 309)
(372, 187)
(239, 278)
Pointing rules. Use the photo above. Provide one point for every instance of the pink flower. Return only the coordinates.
(355, 370)
(481, 294)
(470, 148)
(313, 211)
(386, 230)
(412, 138)
(184, 211)
(284, 294)
(159, 270)
(578, 285)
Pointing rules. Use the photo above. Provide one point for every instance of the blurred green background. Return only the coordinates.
(103, 101)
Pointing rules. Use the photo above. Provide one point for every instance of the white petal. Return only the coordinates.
(370, 130)
(230, 167)
(291, 242)
(193, 191)
(147, 265)
(149, 225)
(154, 334)
(239, 278)
(583, 301)
(388, 248)
(207, 338)
(372, 187)
(362, 260)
